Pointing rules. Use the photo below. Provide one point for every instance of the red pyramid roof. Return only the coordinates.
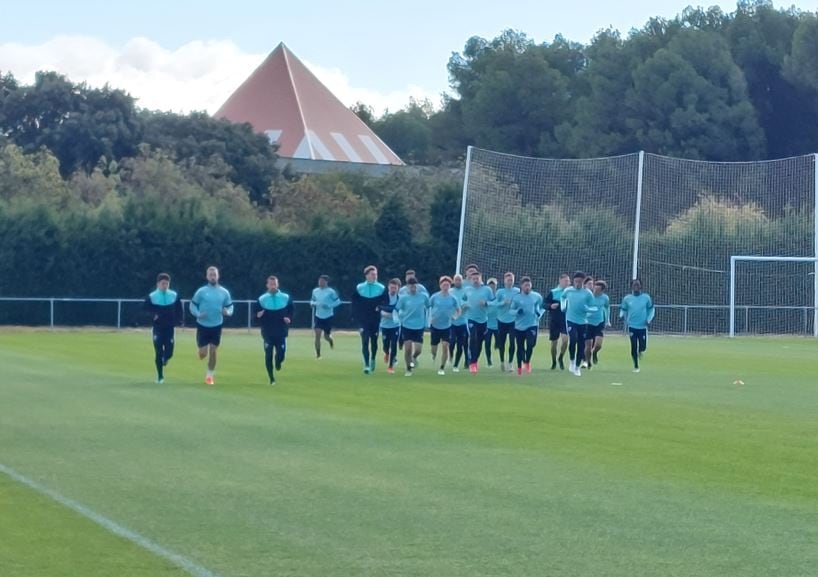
(285, 101)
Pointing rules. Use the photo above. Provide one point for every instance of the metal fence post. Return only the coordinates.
(249, 317)
(119, 314)
(686, 307)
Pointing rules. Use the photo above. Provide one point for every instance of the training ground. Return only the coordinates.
(680, 470)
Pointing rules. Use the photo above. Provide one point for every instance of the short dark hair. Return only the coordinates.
(444, 278)
(412, 280)
(474, 266)
(370, 268)
(579, 274)
(162, 276)
(602, 284)
(508, 274)
(395, 281)
(272, 277)
(525, 279)
(565, 275)
(324, 277)
(410, 272)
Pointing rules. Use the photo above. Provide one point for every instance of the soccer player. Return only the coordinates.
(576, 303)
(506, 320)
(412, 308)
(597, 321)
(324, 301)
(405, 288)
(478, 297)
(210, 304)
(638, 311)
(390, 326)
(275, 314)
(367, 299)
(445, 308)
(586, 357)
(527, 306)
(166, 309)
(557, 329)
(460, 328)
(491, 322)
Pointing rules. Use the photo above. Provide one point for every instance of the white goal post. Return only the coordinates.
(781, 259)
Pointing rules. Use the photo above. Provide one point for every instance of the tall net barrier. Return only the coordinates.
(696, 215)
(542, 217)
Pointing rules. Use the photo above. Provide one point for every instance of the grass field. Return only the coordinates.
(675, 471)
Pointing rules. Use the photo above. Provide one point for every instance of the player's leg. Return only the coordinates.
(589, 347)
(268, 359)
(519, 336)
(554, 339)
(407, 355)
(502, 336)
(434, 342)
(530, 342)
(317, 334)
(446, 339)
(643, 341)
(280, 345)
(477, 332)
(364, 332)
(373, 346)
(563, 346)
(634, 338)
(487, 342)
(458, 347)
(600, 337)
(158, 354)
(326, 324)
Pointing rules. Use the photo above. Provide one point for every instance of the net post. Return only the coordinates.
(51, 312)
(815, 248)
(463, 210)
(732, 296)
(637, 222)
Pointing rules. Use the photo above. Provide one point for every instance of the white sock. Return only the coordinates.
(210, 373)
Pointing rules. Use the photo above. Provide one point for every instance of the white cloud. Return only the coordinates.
(197, 76)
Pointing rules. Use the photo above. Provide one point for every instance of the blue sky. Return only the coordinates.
(384, 51)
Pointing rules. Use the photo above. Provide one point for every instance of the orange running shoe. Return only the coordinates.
(209, 380)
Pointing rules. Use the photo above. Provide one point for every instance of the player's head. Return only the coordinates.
(636, 286)
(470, 268)
(412, 285)
(476, 277)
(212, 275)
(579, 279)
(589, 283)
(525, 284)
(457, 280)
(272, 283)
(163, 281)
(323, 281)
(445, 283)
(371, 273)
(409, 274)
(508, 279)
(394, 286)
(492, 282)
(565, 280)
(600, 287)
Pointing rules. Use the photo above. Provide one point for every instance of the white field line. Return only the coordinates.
(111, 526)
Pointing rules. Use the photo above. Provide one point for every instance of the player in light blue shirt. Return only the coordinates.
(460, 328)
(210, 305)
(597, 321)
(390, 326)
(324, 301)
(478, 299)
(412, 308)
(528, 307)
(491, 323)
(576, 301)
(505, 320)
(445, 308)
(405, 288)
(638, 311)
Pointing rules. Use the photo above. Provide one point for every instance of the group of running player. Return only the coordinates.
(465, 317)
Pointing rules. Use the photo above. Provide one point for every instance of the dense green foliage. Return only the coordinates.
(706, 85)
(677, 471)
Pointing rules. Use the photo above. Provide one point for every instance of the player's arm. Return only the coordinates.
(178, 312)
(623, 309)
(651, 310)
(313, 300)
(289, 310)
(227, 308)
(336, 300)
(606, 313)
(259, 308)
(193, 307)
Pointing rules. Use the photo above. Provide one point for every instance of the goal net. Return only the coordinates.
(673, 223)
(773, 295)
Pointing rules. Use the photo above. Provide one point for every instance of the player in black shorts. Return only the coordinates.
(557, 332)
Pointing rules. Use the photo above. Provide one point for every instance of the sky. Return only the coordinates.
(184, 55)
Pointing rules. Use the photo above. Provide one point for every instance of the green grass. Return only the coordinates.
(675, 472)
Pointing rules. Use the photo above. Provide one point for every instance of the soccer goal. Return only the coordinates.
(773, 295)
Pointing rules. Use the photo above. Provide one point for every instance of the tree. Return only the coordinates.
(408, 132)
(393, 227)
(445, 215)
(78, 124)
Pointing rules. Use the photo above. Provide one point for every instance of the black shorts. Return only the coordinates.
(556, 327)
(208, 336)
(594, 331)
(274, 339)
(576, 330)
(324, 324)
(411, 335)
(438, 335)
(370, 329)
(641, 334)
(163, 335)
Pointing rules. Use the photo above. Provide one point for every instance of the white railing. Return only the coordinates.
(670, 318)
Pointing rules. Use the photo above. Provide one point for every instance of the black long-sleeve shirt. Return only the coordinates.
(275, 308)
(165, 308)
